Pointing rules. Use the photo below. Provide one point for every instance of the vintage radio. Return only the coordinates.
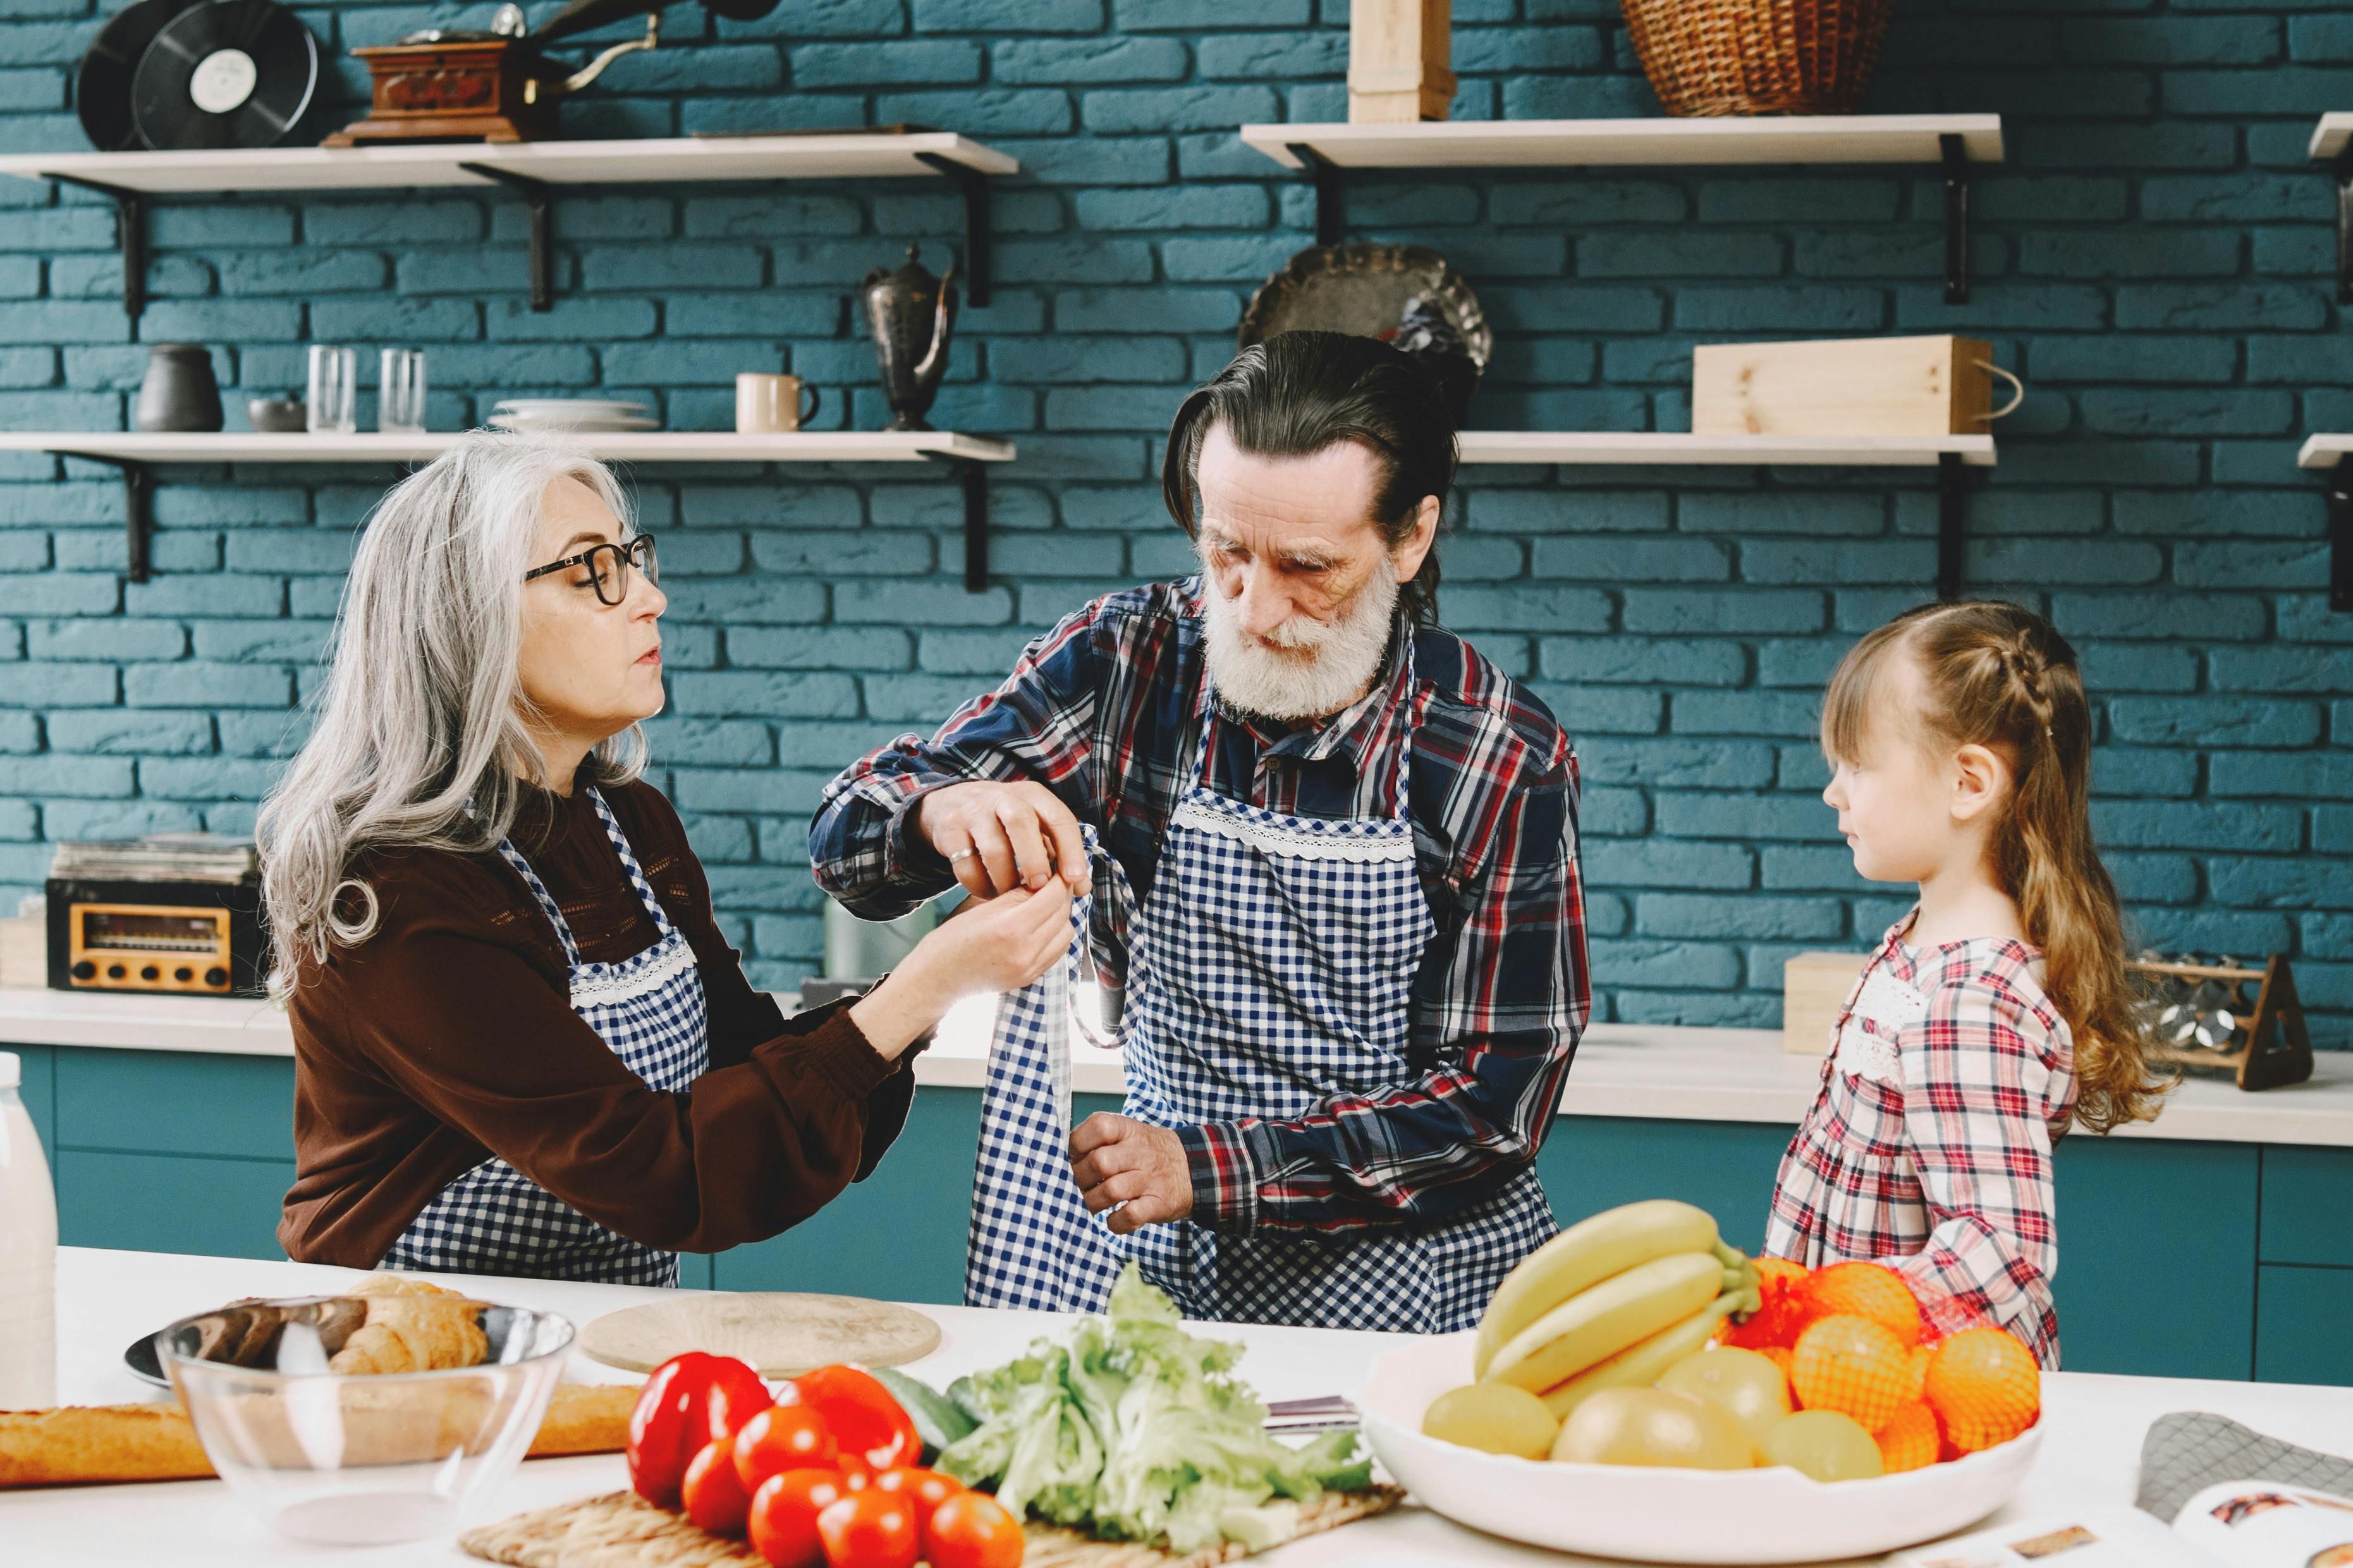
(175, 913)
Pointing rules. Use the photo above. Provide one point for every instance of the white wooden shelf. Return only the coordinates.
(1571, 144)
(1955, 143)
(536, 169)
(649, 446)
(135, 452)
(1670, 448)
(2333, 454)
(858, 155)
(2322, 451)
(2330, 135)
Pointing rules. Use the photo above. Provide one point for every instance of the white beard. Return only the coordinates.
(1314, 668)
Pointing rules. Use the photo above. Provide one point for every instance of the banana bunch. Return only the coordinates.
(1611, 1302)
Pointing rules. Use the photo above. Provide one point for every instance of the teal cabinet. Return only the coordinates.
(177, 1102)
(2306, 1217)
(1589, 1163)
(2300, 1324)
(171, 1203)
(2156, 1255)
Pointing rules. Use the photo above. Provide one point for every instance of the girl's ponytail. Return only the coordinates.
(2000, 676)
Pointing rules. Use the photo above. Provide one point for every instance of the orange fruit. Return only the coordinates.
(1909, 1441)
(1854, 1365)
(1783, 1357)
(1864, 1289)
(1987, 1387)
(1919, 1371)
(1775, 1323)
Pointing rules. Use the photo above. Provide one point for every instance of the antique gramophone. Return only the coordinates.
(457, 85)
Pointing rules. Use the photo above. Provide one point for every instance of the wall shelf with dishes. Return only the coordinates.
(1956, 143)
(2333, 454)
(135, 452)
(538, 170)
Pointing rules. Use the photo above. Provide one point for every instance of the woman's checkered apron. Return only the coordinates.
(649, 1008)
(1271, 968)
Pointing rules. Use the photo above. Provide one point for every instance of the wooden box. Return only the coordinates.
(1850, 387)
(1399, 69)
(1814, 987)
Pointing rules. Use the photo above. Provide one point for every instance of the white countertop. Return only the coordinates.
(105, 1300)
(1621, 1070)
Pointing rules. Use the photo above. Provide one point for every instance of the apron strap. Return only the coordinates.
(630, 863)
(547, 904)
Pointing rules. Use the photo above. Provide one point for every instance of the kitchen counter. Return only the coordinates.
(105, 1300)
(1629, 1070)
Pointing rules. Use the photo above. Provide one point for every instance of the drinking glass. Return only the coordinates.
(400, 403)
(334, 390)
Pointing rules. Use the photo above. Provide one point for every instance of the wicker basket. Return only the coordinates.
(1758, 57)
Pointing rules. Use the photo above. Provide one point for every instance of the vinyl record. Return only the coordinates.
(102, 91)
(225, 73)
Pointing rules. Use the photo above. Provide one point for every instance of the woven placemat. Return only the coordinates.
(621, 1529)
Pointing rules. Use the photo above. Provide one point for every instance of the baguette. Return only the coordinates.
(78, 1444)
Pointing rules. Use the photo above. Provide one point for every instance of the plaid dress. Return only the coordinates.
(1950, 1077)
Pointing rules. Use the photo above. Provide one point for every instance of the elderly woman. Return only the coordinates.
(522, 1044)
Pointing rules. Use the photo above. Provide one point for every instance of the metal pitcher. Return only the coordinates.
(910, 313)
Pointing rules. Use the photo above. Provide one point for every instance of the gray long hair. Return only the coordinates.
(419, 741)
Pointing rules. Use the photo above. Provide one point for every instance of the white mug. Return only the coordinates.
(766, 404)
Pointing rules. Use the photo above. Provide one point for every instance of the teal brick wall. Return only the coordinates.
(2154, 258)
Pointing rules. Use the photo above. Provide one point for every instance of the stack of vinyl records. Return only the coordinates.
(160, 858)
(177, 75)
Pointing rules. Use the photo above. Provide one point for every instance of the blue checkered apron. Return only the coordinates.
(1271, 968)
(649, 1008)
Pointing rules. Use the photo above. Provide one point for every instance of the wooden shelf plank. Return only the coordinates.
(850, 155)
(2330, 135)
(1674, 447)
(2322, 451)
(1566, 144)
(651, 447)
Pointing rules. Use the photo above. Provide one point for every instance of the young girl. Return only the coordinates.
(1998, 1010)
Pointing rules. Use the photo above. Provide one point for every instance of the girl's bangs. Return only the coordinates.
(1853, 704)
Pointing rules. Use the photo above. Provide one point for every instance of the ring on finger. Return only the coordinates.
(960, 855)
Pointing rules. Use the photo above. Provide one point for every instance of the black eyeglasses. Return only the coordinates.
(607, 566)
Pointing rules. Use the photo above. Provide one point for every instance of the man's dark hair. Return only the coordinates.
(1297, 394)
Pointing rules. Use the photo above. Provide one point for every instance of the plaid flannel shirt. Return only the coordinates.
(1101, 711)
(1949, 1079)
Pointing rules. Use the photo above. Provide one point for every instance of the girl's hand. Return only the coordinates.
(995, 945)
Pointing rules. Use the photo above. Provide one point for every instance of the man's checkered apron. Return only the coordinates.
(649, 1008)
(1271, 968)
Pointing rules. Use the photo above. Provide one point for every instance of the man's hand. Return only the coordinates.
(1119, 1160)
(1000, 837)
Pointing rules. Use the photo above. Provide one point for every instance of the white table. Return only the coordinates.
(108, 1299)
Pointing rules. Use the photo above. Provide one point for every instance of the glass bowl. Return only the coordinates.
(361, 1459)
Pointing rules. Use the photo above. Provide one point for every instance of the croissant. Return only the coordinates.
(412, 1325)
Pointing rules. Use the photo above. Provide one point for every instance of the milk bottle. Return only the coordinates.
(28, 1255)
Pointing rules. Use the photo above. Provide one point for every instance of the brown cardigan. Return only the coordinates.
(449, 1036)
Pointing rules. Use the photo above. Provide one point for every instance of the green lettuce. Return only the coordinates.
(1129, 1428)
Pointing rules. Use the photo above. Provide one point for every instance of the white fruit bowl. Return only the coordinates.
(1666, 1515)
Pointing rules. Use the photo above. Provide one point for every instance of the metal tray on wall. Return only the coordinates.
(1363, 289)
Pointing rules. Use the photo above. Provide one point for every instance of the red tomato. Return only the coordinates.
(689, 1401)
(714, 1497)
(926, 1489)
(972, 1529)
(870, 1529)
(783, 1515)
(779, 1438)
(863, 1417)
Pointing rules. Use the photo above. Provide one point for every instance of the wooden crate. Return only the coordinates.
(1398, 61)
(1847, 386)
(1814, 987)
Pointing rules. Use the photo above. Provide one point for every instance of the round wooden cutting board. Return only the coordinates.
(782, 1334)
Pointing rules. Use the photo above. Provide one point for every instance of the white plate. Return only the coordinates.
(1666, 1515)
(585, 426)
(567, 405)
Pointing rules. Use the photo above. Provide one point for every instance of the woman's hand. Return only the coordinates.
(998, 945)
(1000, 837)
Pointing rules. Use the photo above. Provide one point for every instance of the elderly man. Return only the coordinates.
(1352, 936)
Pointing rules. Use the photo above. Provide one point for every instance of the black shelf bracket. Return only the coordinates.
(1331, 196)
(1952, 525)
(130, 228)
(972, 476)
(2340, 535)
(137, 506)
(2345, 225)
(1956, 217)
(542, 197)
(979, 275)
